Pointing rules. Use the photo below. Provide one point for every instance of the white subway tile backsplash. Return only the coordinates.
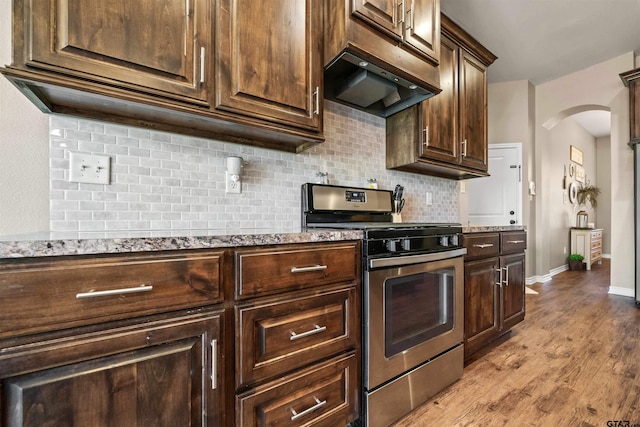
(161, 180)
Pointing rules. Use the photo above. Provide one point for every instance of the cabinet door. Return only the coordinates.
(385, 15)
(148, 45)
(473, 112)
(439, 131)
(422, 28)
(154, 374)
(482, 300)
(268, 60)
(513, 274)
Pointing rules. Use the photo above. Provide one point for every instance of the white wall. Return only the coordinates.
(603, 172)
(24, 162)
(598, 85)
(517, 113)
(510, 114)
(560, 212)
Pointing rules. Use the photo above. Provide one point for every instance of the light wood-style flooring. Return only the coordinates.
(573, 361)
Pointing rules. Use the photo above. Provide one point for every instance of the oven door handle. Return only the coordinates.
(413, 259)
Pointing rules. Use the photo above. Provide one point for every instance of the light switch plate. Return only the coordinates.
(89, 168)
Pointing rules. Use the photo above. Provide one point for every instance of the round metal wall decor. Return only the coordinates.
(573, 192)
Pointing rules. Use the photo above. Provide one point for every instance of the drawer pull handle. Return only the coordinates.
(483, 245)
(319, 404)
(317, 329)
(515, 241)
(506, 276)
(305, 269)
(92, 294)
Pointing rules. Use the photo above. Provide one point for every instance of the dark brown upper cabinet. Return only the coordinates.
(155, 64)
(631, 79)
(269, 61)
(413, 22)
(446, 135)
(148, 46)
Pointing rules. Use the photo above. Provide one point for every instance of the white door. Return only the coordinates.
(497, 199)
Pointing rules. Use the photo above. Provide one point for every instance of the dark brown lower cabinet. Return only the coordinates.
(297, 335)
(159, 372)
(494, 279)
(148, 339)
(482, 298)
(113, 340)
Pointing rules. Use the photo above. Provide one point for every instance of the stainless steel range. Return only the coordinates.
(412, 298)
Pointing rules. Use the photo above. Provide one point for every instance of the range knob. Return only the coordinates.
(454, 240)
(392, 245)
(444, 241)
(406, 244)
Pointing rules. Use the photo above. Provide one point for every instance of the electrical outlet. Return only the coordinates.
(429, 198)
(231, 185)
(463, 187)
(564, 250)
(89, 168)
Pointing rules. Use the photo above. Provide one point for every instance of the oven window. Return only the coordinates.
(417, 308)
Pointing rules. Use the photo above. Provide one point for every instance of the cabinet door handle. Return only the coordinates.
(506, 276)
(202, 55)
(499, 271)
(316, 330)
(410, 20)
(186, 26)
(402, 11)
(214, 364)
(319, 404)
(463, 144)
(515, 241)
(483, 245)
(109, 292)
(425, 136)
(316, 97)
(306, 269)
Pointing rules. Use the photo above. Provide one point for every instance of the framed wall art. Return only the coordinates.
(575, 155)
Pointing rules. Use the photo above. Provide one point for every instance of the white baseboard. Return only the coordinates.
(546, 277)
(625, 292)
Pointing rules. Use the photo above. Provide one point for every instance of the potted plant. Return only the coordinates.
(575, 262)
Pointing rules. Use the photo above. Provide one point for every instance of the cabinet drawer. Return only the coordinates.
(513, 241)
(277, 336)
(596, 255)
(595, 244)
(275, 270)
(596, 235)
(481, 244)
(325, 395)
(60, 293)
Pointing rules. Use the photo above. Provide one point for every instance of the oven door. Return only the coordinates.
(413, 313)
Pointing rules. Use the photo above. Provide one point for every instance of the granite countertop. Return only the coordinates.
(87, 243)
(492, 228)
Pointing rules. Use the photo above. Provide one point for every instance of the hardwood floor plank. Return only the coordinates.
(574, 360)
